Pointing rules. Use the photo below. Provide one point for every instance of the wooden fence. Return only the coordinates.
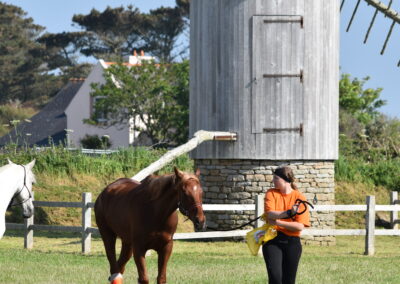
(87, 230)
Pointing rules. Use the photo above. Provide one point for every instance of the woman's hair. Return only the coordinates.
(286, 174)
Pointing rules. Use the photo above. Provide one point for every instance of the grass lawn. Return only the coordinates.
(56, 259)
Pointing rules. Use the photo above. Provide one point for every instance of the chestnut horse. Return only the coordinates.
(144, 216)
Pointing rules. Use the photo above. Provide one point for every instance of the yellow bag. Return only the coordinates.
(255, 238)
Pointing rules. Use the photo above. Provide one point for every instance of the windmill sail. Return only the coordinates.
(379, 8)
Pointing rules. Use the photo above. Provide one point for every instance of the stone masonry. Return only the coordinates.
(239, 181)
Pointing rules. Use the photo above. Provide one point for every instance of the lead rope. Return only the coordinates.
(297, 202)
(236, 228)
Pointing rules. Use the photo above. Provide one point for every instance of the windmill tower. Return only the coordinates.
(267, 71)
(380, 8)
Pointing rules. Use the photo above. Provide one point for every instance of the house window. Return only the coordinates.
(99, 116)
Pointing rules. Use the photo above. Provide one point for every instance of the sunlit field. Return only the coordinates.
(56, 258)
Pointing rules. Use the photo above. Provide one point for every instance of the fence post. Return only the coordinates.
(86, 222)
(259, 209)
(28, 224)
(394, 214)
(370, 226)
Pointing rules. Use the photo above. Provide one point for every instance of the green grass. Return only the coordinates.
(55, 259)
(355, 193)
(373, 173)
(59, 162)
(64, 175)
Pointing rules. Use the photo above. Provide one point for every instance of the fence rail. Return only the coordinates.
(87, 230)
(83, 150)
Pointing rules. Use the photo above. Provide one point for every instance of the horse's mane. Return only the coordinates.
(151, 188)
(8, 166)
(157, 185)
(154, 186)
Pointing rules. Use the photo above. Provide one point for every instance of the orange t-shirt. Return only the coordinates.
(276, 201)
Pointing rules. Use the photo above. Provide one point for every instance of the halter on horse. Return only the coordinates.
(144, 216)
(16, 189)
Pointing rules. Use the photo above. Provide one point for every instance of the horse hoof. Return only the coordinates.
(116, 278)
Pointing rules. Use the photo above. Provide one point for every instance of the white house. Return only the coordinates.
(62, 120)
(82, 106)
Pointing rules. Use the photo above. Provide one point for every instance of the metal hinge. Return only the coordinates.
(300, 75)
(275, 130)
(299, 20)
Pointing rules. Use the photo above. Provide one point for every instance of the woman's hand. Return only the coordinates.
(294, 210)
(272, 222)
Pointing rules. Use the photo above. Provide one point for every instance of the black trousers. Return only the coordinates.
(282, 255)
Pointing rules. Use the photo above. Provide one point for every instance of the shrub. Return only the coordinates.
(95, 142)
(378, 173)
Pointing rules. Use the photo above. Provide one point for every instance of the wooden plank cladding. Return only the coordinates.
(257, 65)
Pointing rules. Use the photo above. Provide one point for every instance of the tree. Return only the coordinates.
(383, 137)
(62, 54)
(366, 133)
(184, 7)
(161, 30)
(62, 48)
(158, 94)
(26, 62)
(117, 32)
(110, 34)
(22, 63)
(361, 103)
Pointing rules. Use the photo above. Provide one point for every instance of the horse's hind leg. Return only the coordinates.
(163, 257)
(126, 254)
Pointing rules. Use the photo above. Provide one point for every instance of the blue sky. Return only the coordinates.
(357, 59)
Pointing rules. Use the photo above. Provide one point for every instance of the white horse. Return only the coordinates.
(16, 189)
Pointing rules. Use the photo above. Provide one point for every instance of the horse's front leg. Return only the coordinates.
(109, 240)
(140, 261)
(125, 255)
(163, 257)
(2, 225)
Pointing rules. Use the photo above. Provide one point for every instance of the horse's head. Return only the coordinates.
(23, 193)
(190, 197)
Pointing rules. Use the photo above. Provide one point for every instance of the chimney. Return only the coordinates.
(135, 59)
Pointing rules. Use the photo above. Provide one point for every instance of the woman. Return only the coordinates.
(282, 254)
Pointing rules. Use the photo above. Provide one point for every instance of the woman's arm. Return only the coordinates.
(277, 215)
(283, 214)
(291, 226)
